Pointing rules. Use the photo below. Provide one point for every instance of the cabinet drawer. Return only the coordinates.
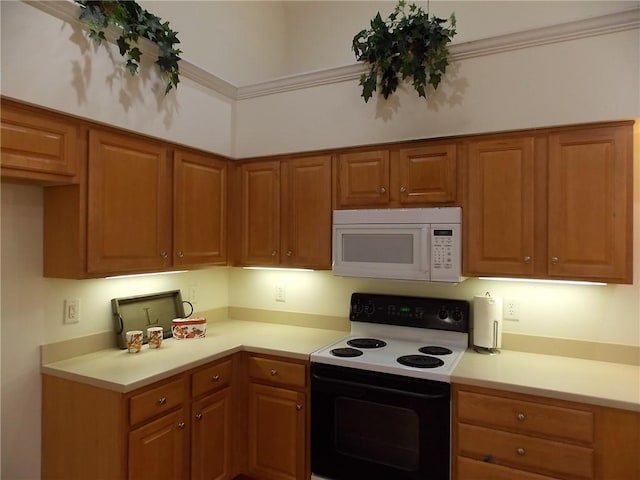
(155, 401)
(278, 372)
(473, 469)
(211, 378)
(533, 454)
(526, 417)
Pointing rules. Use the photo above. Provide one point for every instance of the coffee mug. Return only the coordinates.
(134, 341)
(154, 335)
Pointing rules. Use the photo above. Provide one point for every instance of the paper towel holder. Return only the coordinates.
(495, 336)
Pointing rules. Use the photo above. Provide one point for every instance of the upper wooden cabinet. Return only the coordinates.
(590, 204)
(418, 175)
(138, 211)
(199, 210)
(554, 205)
(285, 216)
(129, 204)
(38, 146)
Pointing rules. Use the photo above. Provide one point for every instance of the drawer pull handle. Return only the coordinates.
(298, 407)
(521, 417)
(215, 378)
(274, 373)
(162, 401)
(199, 416)
(181, 425)
(521, 451)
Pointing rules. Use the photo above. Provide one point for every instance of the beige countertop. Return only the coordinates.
(588, 381)
(118, 370)
(594, 382)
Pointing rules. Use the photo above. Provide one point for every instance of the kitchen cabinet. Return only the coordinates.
(129, 204)
(407, 175)
(277, 419)
(38, 146)
(140, 210)
(556, 204)
(181, 427)
(286, 212)
(505, 435)
(200, 210)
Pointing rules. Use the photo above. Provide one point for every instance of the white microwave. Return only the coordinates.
(404, 244)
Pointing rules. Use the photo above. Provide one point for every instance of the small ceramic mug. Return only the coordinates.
(154, 335)
(134, 341)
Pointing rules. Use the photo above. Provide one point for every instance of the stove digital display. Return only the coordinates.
(405, 309)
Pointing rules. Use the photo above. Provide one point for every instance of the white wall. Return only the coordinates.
(48, 62)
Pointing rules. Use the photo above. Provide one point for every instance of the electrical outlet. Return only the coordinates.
(71, 311)
(281, 293)
(511, 309)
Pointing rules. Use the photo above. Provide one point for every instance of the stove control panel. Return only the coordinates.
(421, 312)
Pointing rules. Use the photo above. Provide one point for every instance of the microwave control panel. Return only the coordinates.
(445, 251)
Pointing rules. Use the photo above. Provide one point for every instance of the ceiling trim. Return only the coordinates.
(606, 24)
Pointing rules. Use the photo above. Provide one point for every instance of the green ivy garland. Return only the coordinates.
(135, 22)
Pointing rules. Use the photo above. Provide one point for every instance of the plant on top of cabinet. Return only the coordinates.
(135, 22)
(405, 45)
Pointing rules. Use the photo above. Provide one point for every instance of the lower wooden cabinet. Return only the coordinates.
(277, 419)
(501, 435)
(175, 429)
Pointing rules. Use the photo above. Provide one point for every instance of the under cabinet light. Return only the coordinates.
(538, 280)
(132, 275)
(280, 269)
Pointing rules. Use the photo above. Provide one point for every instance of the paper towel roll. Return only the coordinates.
(487, 321)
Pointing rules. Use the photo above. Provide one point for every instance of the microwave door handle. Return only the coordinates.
(426, 249)
(366, 386)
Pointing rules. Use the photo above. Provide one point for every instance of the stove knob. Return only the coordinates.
(457, 316)
(369, 309)
(357, 308)
(443, 314)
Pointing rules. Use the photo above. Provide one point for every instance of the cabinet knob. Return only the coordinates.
(215, 378)
(274, 372)
(298, 407)
(274, 253)
(164, 254)
(555, 260)
(383, 190)
(199, 416)
(181, 425)
(289, 253)
(162, 401)
(520, 451)
(521, 417)
(180, 254)
(403, 189)
(527, 259)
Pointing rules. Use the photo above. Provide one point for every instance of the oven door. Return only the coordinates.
(369, 425)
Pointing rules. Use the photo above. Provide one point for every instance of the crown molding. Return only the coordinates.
(606, 24)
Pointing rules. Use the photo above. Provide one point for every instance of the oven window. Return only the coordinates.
(377, 433)
(378, 248)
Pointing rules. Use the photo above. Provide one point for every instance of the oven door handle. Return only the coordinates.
(375, 388)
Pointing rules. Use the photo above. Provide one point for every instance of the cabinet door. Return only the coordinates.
(363, 179)
(211, 437)
(590, 189)
(38, 146)
(499, 208)
(129, 206)
(306, 212)
(276, 433)
(425, 175)
(200, 206)
(260, 213)
(158, 449)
